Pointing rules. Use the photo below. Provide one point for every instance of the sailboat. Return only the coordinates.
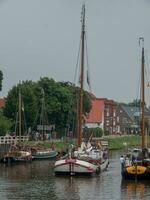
(86, 159)
(136, 164)
(43, 153)
(17, 153)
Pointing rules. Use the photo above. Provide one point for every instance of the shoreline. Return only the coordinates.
(114, 142)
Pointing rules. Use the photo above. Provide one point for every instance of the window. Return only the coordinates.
(114, 114)
(118, 119)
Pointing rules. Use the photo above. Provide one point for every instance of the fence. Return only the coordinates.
(13, 139)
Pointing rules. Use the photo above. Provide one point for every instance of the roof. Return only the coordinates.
(95, 115)
(132, 111)
(2, 103)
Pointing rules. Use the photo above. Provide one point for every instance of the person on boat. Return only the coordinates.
(145, 153)
(83, 146)
(122, 161)
(99, 145)
(105, 153)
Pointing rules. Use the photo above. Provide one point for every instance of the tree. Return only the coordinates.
(29, 103)
(97, 132)
(72, 113)
(5, 125)
(60, 102)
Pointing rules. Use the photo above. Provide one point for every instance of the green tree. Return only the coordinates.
(5, 125)
(29, 104)
(73, 106)
(58, 99)
(97, 132)
(60, 102)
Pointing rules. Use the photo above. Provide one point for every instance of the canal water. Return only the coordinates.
(36, 181)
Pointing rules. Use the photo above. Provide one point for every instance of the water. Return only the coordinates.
(36, 181)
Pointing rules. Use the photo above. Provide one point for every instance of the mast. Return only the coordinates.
(142, 94)
(20, 114)
(81, 76)
(42, 117)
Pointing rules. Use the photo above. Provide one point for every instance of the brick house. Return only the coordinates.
(125, 118)
(110, 116)
(128, 119)
(2, 103)
(114, 118)
(102, 114)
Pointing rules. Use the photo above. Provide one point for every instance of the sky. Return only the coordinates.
(40, 38)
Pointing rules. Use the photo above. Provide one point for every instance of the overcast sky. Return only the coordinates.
(41, 38)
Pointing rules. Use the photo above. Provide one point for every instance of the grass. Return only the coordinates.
(58, 145)
(124, 141)
(115, 143)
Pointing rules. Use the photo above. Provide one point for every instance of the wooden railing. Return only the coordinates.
(13, 139)
(103, 141)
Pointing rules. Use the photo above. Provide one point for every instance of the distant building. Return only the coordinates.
(128, 119)
(2, 103)
(125, 119)
(115, 118)
(95, 117)
(102, 114)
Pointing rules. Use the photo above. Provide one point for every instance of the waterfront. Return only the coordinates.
(37, 181)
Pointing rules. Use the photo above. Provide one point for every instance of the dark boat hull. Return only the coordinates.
(135, 176)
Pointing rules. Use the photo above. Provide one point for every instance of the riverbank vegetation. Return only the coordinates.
(121, 142)
(57, 145)
(115, 143)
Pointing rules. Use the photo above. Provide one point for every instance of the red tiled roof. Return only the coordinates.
(2, 103)
(95, 115)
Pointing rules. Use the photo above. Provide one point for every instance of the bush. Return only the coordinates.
(106, 132)
(5, 125)
(97, 132)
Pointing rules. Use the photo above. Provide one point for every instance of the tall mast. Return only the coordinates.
(81, 76)
(42, 120)
(142, 94)
(20, 114)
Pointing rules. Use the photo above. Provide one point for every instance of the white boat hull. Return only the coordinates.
(44, 154)
(77, 166)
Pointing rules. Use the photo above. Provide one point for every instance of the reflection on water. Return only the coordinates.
(136, 190)
(37, 181)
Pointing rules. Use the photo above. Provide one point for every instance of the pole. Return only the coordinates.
(81, 78)
(142, 94)
(20, 116)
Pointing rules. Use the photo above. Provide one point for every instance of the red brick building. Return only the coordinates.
(2, 103)
(102, 114)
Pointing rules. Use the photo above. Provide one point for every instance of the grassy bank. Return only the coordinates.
(58, 145)
(121, 142)
(115, 143)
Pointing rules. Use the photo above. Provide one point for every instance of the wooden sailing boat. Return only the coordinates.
(86, 159)
(17, 153)
(43, 153)
(136, 165)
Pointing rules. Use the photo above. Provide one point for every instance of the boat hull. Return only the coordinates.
(45, 155)
(136, 172)
(78, 167)
(17, 157)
